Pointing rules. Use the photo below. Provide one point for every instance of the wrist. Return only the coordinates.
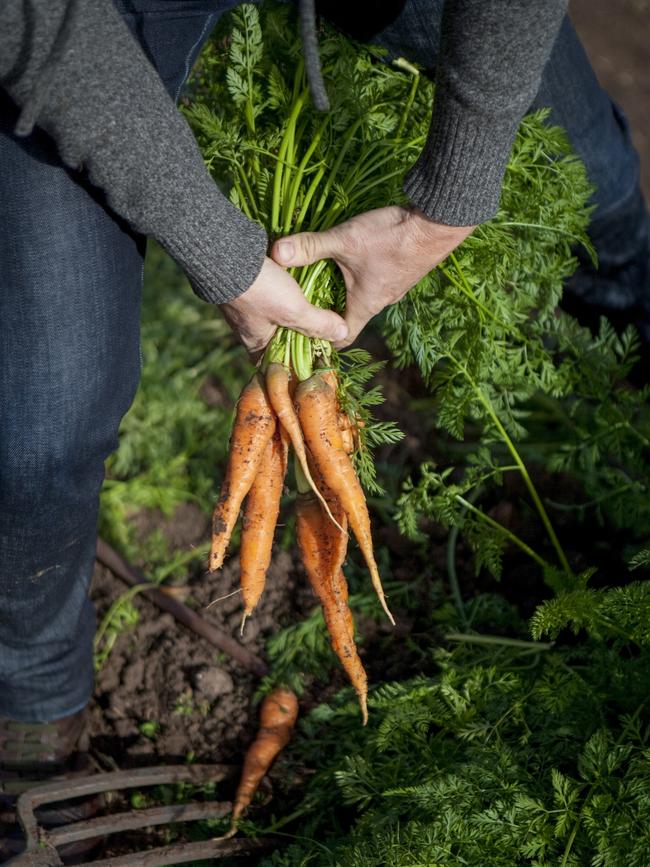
(429, 230)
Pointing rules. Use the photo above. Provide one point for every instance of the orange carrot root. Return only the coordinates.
(338, 619)
(344, 421)
(277, 387)
(253, 428)
(323, 552)
(278, 716)
(258, 525)
(347, 439)
(316, 408)
(329, 375)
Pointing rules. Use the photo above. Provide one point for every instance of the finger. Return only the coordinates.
(305, 248)
(254, 333)
(357, 315)
(315, 322)
(355, 327)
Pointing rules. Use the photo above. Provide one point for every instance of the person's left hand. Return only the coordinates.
(381, 254)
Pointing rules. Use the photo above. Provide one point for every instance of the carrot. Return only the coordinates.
(334, 546)
(316, 407)
(338, 619)
(322, 555)
(254, 426)
(286, 442)
(341, 591)
(277, 387)
(347, 440)
(344, 421)
(349, 431)
(334, 539)
(258, 524)
(278, 716)
(329, 375)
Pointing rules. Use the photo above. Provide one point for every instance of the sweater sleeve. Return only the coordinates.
(492, 54)
(74, 69)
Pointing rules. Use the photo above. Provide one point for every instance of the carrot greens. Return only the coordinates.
(291, 168)
(495, 736)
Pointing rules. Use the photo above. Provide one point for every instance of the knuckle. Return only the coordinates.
(353, 243)
(309, 245)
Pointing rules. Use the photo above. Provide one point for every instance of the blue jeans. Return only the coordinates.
(70, 285)
(70, 282)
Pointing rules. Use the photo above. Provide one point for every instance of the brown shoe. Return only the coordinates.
(35, 753)
(39, 746)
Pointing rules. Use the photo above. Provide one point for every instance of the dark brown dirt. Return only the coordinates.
(165, 693)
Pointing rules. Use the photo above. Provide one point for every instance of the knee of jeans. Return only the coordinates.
(54, 441)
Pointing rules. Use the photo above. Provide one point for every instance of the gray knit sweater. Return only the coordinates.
(74, 70)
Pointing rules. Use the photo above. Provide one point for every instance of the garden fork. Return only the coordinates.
(42, 844)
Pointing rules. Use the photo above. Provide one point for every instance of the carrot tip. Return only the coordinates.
(243, 621)
(379, 590)
(216, 562)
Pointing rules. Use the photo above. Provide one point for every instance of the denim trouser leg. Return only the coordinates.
(69, 363)
(70, 282)
(599, 133)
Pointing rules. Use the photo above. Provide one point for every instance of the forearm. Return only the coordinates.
(74, 70)
(492, 56)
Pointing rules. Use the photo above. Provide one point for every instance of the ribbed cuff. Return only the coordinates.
(218, 247)
(457, 177)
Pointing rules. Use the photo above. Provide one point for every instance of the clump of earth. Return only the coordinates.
(165, 693)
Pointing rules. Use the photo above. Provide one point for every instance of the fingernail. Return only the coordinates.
(341, 333)
(286, 250)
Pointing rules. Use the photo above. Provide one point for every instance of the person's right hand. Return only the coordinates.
(276, 299)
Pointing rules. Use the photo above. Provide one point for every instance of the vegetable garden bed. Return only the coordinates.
(509, 707)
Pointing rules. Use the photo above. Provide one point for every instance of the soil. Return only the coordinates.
(166, 694)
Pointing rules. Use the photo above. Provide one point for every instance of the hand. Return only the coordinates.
(381, 254)
(276, 299)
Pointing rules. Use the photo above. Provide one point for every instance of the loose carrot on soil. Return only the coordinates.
(258, 524)
(315, 403)
(254, 426)
(278, 716)
(322, 554)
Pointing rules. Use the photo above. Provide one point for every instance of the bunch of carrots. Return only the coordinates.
(276, 412)
(291, 168)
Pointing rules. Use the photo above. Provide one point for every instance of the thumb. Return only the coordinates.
(305, 248)
(315, 322)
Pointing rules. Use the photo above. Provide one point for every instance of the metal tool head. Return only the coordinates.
(42, 844)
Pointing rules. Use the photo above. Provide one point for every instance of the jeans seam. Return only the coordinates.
(208, 22)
